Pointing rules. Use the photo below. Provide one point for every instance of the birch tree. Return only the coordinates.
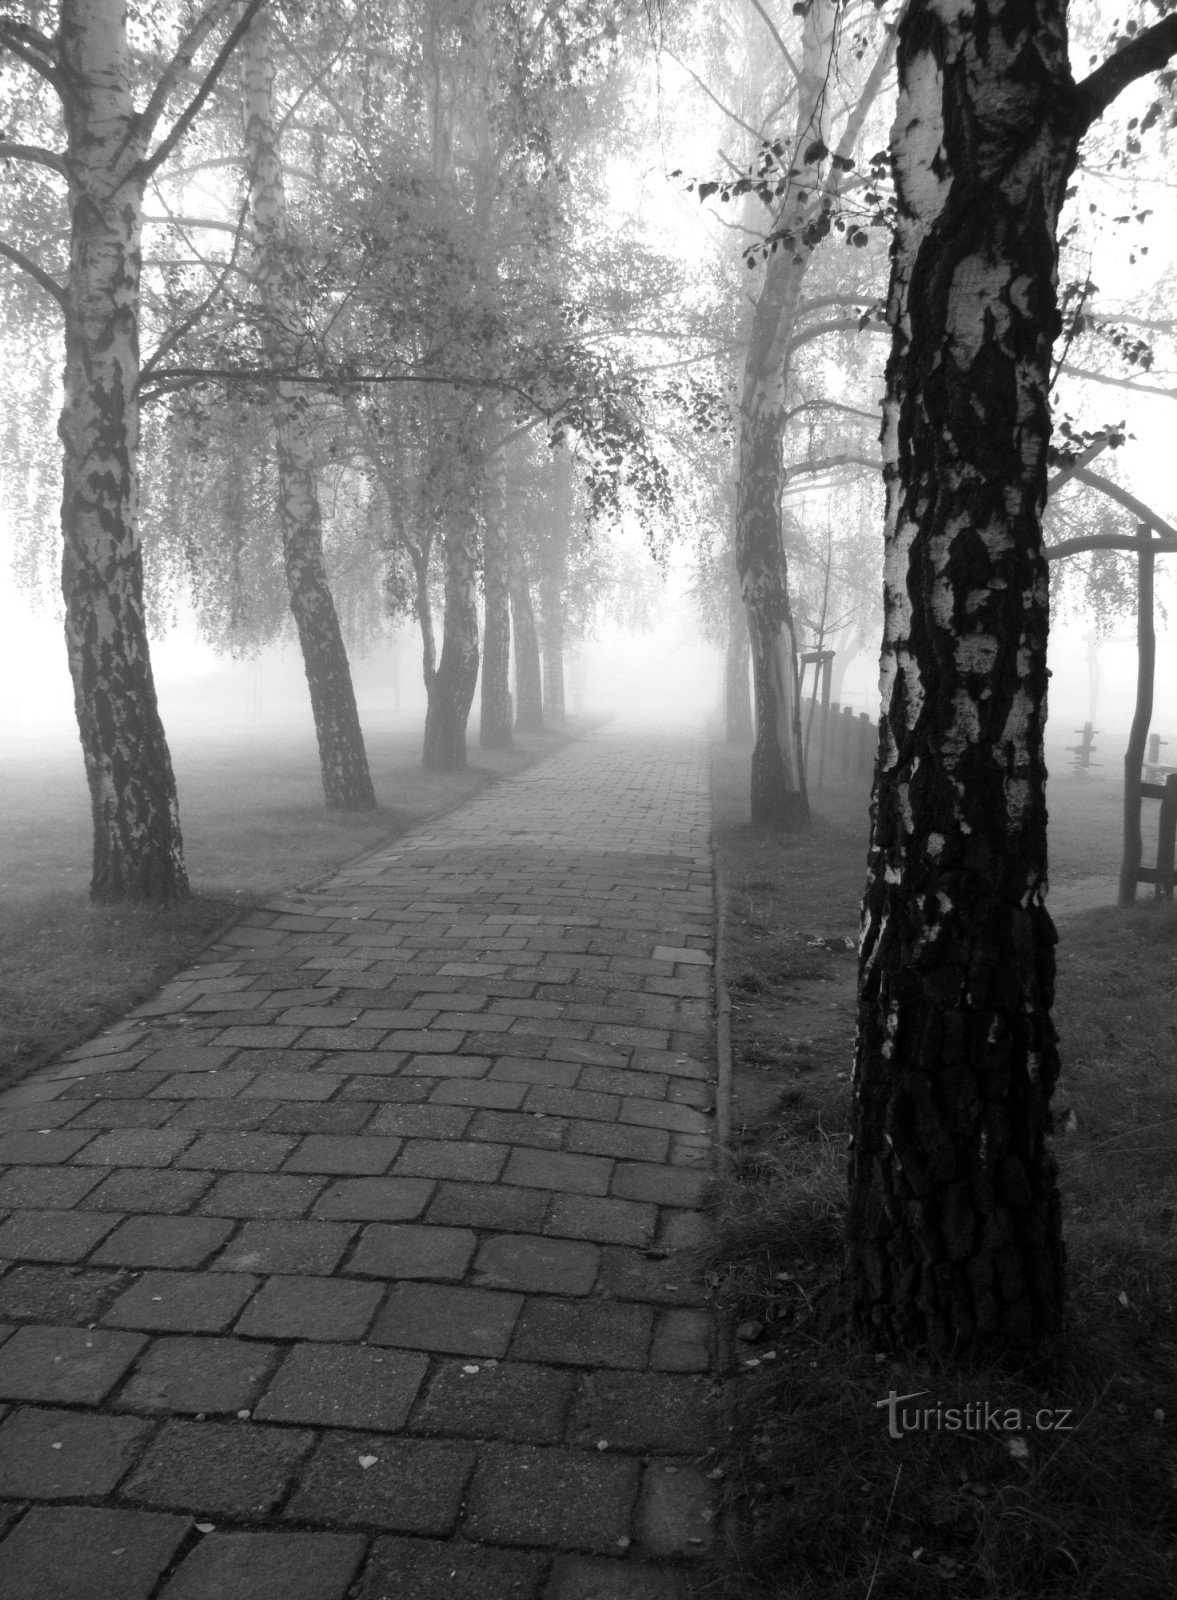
(347, 784)
(814, 169)
(109, 154)
(954, 1232)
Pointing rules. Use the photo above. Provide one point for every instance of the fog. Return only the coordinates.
(668, 673)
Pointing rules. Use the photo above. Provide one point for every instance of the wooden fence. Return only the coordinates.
(839, 747)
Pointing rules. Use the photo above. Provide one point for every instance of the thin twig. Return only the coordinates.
(883, 1533)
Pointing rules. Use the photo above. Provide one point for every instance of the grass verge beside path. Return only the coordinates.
(254, 825)
(825, 1503)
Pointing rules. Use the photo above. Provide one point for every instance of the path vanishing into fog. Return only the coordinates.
(352, 1262)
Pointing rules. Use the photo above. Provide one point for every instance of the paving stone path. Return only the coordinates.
(356, 1262)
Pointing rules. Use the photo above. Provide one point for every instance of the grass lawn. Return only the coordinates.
(254, 823)
(825, 1503)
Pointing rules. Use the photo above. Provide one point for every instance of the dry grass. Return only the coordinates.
(254, 824)
(825, 1503)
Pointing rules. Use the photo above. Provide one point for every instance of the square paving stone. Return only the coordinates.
(572, 1103)
(375, 1067)
(424, 1569)
(285, 1247)
(265, 1037)
(669, 1280)
(44, 1187)
(52, 1235)
(355, 1155)
(64, 1455)
(238, 1152)
(292, 1086)
(412, 1486)
(467, 1066)
(246, 1194)
(375, 1199)
(32, 1149)
(684, 1230)
(437, 1158)
(643, 1411)
(587, 1216)
(524, 1127)
(182, 1302)
(536, 1265)
(452, 1321)
(571, 1499)
(199, 1375)
(188, 1058)
(489, 1205)
(676, 1511)
(421, 1122)
(409, 1250)
(682, 1342)
(225, 1469)
(335, 1118)
(479, 1092)
(522, 1069)
(587, 1333)
(594, 1578)
(336, 1386)
(22, 1118)
(496, 1400)
(202, 1086)
(57, 1294)
(311, 1308)
(136, 1147)
(162, 1242)
(114, 1086)
(659, 1185)
(268, 1566)
(124, 1114)
(556, 1169)
(619, 1139)
(237, 1116)
(65, 1365)
(83, 1553)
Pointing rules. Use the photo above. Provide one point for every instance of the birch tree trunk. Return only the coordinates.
(529, 695)
(347, 784)
(138, 853)
(737, 701)
(954, 1227)
(451, 694)
(778, 769)
(553, 579)
(494, 731)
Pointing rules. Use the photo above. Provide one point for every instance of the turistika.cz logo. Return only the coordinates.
(974, 1416)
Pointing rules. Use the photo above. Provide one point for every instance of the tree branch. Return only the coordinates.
(1118, 383)
(33, 48)
(179, 63)
(828, 405)
(1147, 52)
(26, 264)
(193, 222)
(34, 153)
(849, 458)
(772, 28)
(171, 339)
(727, 111)
(841, 325)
